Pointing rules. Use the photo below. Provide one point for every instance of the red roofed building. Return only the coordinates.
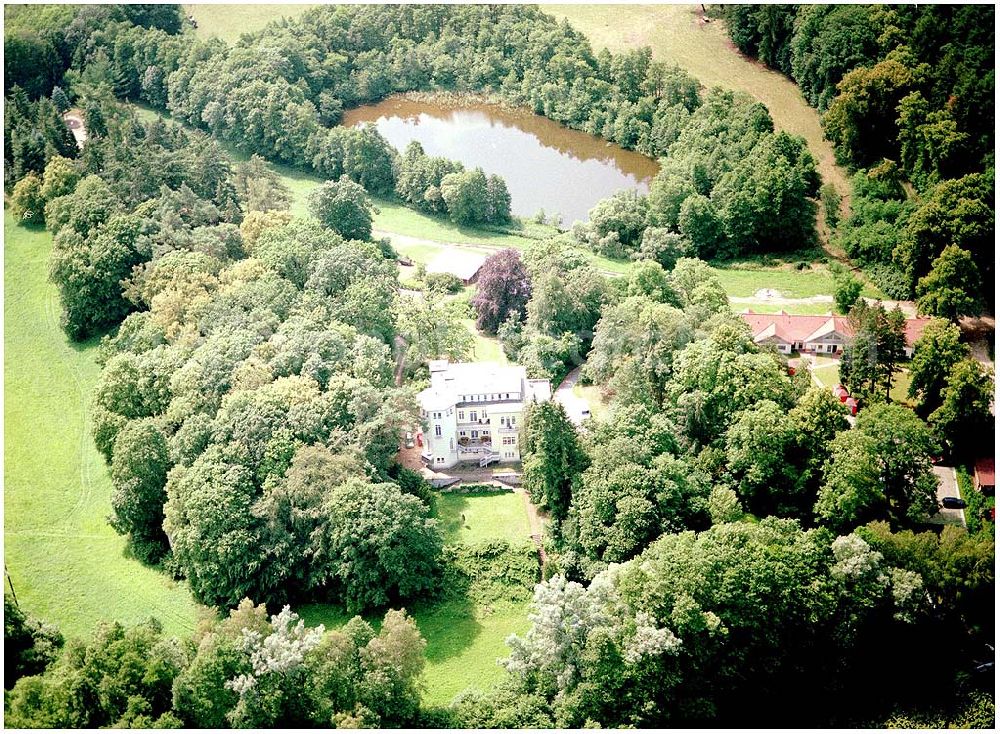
(985, 475)
(818, 334)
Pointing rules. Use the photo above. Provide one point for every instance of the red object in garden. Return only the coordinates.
(852, 404)
(420, 438)
(841, 392)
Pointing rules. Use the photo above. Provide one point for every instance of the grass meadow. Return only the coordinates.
(229, 22)
(471, 518)
(67, 565)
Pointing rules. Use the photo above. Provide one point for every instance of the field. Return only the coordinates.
(677, 34)
(790, 283)
(67, 565)
(470, 518)
(229, 22)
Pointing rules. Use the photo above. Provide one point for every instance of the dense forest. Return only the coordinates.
(724, 547)
(907, 98)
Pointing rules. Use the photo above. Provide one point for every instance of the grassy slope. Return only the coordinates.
(676, 35)
(229, 22)
(464, 641)
(66, 563)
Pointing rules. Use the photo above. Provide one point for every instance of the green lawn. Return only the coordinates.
(66, 563)
(464, 640)
(816, 281)
(394, 217)
(827, 371)
(798, 309)
(229, 22)
(592, 394)
(485, 348)
(900, 385)
(470, 518)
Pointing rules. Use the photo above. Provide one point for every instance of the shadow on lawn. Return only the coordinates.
(448, 624)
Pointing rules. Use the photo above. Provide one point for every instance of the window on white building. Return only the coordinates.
(437, 431)
(473, 416)
(475, 434)
(461, 415)
(509, 440)
(451, 444)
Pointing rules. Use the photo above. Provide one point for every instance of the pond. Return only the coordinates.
(546, 166)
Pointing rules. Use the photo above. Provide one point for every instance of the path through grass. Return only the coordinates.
(66, 563)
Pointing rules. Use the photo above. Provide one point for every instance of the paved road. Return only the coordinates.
(574, 405)
(947, 487)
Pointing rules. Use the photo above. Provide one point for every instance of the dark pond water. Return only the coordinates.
(545, 165)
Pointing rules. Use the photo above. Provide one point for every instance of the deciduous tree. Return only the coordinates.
(503, 289)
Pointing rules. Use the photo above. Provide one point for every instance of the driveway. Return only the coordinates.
(947, 487)
(574, 405)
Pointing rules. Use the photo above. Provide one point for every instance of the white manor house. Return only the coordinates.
(473, 412)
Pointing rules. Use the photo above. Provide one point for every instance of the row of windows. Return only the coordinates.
(509, 440)
(475, 434)
(491, 396)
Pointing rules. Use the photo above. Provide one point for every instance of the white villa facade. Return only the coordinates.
(473, 412)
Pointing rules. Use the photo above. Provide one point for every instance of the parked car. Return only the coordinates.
(409, 439)
(585, 413)
(953, 503)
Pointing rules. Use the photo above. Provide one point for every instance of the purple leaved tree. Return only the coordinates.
(503, 287)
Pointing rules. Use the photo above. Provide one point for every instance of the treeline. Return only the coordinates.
(907, 96)
(728, 186)
(247, 670)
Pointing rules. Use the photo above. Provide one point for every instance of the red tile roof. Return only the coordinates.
(985, 474)
(798, 328)
(914, 329)
(787, 327)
